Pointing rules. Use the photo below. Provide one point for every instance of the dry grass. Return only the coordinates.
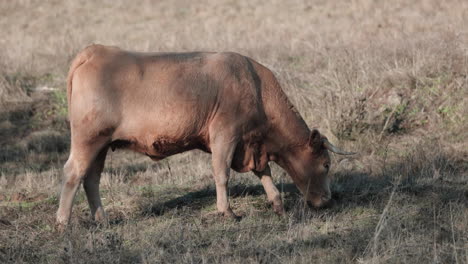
(388, 80)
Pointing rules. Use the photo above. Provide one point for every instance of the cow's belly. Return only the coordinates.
(160, 137)
(160, 147)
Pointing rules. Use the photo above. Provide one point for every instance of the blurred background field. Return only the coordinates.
(387, 79)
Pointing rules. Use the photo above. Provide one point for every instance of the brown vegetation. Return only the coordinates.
(387, 79)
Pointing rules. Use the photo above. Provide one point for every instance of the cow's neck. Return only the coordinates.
(288, 132)
(287, 128)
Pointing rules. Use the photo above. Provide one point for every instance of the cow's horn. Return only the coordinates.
(336, 150)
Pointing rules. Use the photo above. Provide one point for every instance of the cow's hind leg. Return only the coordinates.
(91, 186)
(222, 148)
(78, 165)
(272, 192)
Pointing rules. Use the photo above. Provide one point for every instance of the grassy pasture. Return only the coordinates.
(387, 79)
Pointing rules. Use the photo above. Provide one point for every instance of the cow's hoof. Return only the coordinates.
(277, 205)
(101, 219)
(230, 215)
(279, 209)
(61, 227)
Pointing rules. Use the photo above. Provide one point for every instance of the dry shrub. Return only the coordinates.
(10, 93)
(47, 141)
(400, 89)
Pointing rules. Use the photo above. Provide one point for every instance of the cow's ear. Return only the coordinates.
(315, 140)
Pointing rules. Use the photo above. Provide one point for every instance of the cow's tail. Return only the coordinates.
(80, 59)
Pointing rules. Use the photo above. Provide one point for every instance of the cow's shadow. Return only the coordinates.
(355, 189)
(350, 190)
(206, 197)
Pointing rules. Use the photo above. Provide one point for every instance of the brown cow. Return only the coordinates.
(161, 104)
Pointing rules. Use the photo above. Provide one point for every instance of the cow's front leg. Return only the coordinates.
(272, 192)
(222, 148)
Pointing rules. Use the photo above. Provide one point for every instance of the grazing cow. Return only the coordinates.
(161, 104)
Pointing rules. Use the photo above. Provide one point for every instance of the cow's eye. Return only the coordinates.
(327, 166)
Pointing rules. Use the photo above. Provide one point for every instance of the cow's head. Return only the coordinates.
(309, 169)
